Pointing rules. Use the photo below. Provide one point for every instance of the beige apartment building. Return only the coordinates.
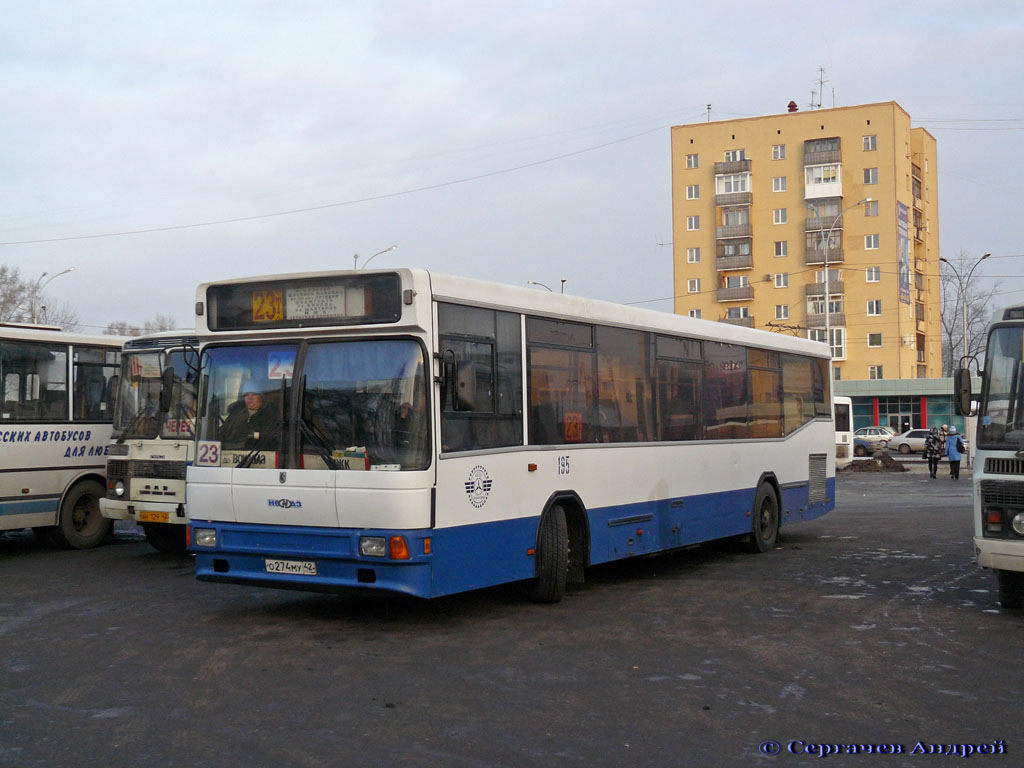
(759, 205)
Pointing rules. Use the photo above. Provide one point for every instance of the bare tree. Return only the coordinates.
(22, 302)
(121, 328)
(160, 322)
(954, 298)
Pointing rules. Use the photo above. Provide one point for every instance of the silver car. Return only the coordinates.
(877, 436)
(911, 441)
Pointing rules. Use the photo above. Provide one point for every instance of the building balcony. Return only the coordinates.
(746, 322)
(734, 166)
(835, 288)
(817, 256)
(743, 293)
(733, 230)
(822, 158)
(743, 261)
(734, 198)
(823, 224)
(835, 320)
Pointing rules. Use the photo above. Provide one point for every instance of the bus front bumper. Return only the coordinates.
(144, 512)
(1001, 554)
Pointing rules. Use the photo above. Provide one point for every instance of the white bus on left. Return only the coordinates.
(54, 433)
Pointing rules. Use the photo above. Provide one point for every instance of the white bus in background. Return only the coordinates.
(998, 453)
(428, 434)
(54, 433)
(843, 417)
(153, 437)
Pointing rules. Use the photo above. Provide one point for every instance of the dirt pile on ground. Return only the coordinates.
(882, 461)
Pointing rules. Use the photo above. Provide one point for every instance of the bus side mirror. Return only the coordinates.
(166, 389)
(962, 391)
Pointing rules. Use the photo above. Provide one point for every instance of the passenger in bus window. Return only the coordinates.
(248, 419)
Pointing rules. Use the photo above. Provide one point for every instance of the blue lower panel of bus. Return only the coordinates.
(33, 506)
(472, 556)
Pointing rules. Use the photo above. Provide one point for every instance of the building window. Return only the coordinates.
(875, 372)
(732, 217)
(870, 143)
(779, 184)
(871, 208)
(733, 248)
(870, 242)
(821, 174)
(735, 155)
(874, 308)
(870, 175)
(693, 285)
(736, 313)
(693, 255)
(782, 280)
(838, 336)
(692, 223)
(695, 313)
(782, 247)
(692, 161)
(778, 152)
(693, 192)
(837, 374)
(728, 183)
(782, 312)
(779, 215)
(737, 281)
(875, 340)
(873, 274)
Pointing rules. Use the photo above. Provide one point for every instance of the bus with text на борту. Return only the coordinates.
(57, 404)
(427, 434)
(153, 437)
(998, 476)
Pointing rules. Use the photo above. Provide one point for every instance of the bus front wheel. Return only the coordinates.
(552, 558)
(766, 519)
(1011, 589)
(81, 524)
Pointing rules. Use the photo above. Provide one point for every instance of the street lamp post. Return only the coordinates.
(39, 289)
(355, 257)
(534, 282)
(825, 240)
(962, 283)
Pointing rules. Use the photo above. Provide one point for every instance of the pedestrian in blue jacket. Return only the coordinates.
(955, 451)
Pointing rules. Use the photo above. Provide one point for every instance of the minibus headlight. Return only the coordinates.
(119, 488)
(204, 537)
(1018, 523)
(373, 546)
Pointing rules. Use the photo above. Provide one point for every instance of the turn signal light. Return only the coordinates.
(397, 548)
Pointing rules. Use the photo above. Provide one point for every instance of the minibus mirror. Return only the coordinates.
(962, 391)
(166, 389)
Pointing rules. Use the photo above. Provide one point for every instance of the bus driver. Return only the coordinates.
(247, 418)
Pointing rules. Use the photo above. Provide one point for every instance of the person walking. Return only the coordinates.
(955, 451)
(933, 450)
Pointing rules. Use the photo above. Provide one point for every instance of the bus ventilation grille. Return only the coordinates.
(1004, 466)
(817, 464)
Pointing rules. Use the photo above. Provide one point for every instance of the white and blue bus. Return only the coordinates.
(57, 406)
(998, 477)
(427, 434)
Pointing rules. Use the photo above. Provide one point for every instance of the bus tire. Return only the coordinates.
(81, 524)
(165, 537)
(1011, 589)
(765, 529)
(552, 558)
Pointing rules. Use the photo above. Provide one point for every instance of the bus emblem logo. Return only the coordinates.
(284, 503)
(478, 486)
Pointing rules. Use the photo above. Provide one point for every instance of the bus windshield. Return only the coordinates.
(363, 404)
(1001, 418)
(136, 413)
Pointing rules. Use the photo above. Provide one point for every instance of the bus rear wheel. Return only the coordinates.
(165, 537)
(81, 524)
(1011, 589)
(552, 558)
(765, 530)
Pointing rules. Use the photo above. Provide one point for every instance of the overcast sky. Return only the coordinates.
(515, 141)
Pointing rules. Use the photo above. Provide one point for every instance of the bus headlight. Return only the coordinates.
(373, 546)
(204, 537)
(119, 488)
(1018, 523)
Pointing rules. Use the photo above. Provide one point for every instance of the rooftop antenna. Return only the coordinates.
(821, 90)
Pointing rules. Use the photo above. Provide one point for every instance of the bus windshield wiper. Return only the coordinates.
(257, 448)
(147, 411)
(319, 441)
